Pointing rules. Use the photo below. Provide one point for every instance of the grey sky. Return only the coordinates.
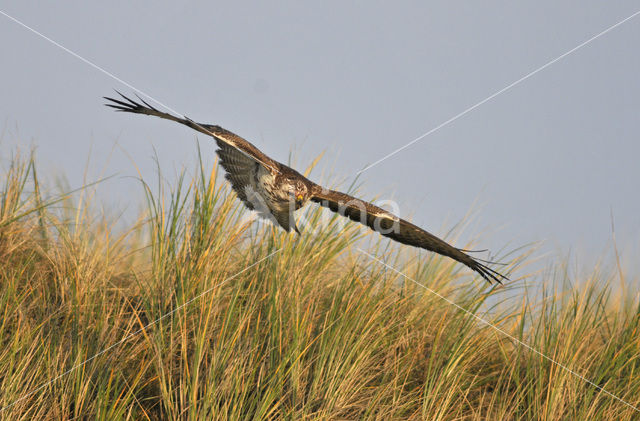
(547, 160)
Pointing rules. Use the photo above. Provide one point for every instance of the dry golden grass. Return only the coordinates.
(316, 331)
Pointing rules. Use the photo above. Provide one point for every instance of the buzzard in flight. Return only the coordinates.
(276, 190)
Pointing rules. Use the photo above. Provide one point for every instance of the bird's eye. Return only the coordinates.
(299, 197)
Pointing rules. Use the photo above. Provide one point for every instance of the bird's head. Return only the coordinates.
(299, 193)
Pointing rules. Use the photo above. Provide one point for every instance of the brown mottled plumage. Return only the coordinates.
(276, 190)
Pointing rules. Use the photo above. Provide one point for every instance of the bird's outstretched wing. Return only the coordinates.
(237, 156)
(398, 229)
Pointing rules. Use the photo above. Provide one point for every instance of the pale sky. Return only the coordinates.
(547, 160)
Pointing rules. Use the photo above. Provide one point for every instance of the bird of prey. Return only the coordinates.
(276, 190)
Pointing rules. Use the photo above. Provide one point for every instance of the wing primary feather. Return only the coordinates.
(146, 103)
(121, 103)
(474, 251)
(490, 262)
(117, 107)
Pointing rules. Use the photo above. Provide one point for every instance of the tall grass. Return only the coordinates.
(316, 331)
